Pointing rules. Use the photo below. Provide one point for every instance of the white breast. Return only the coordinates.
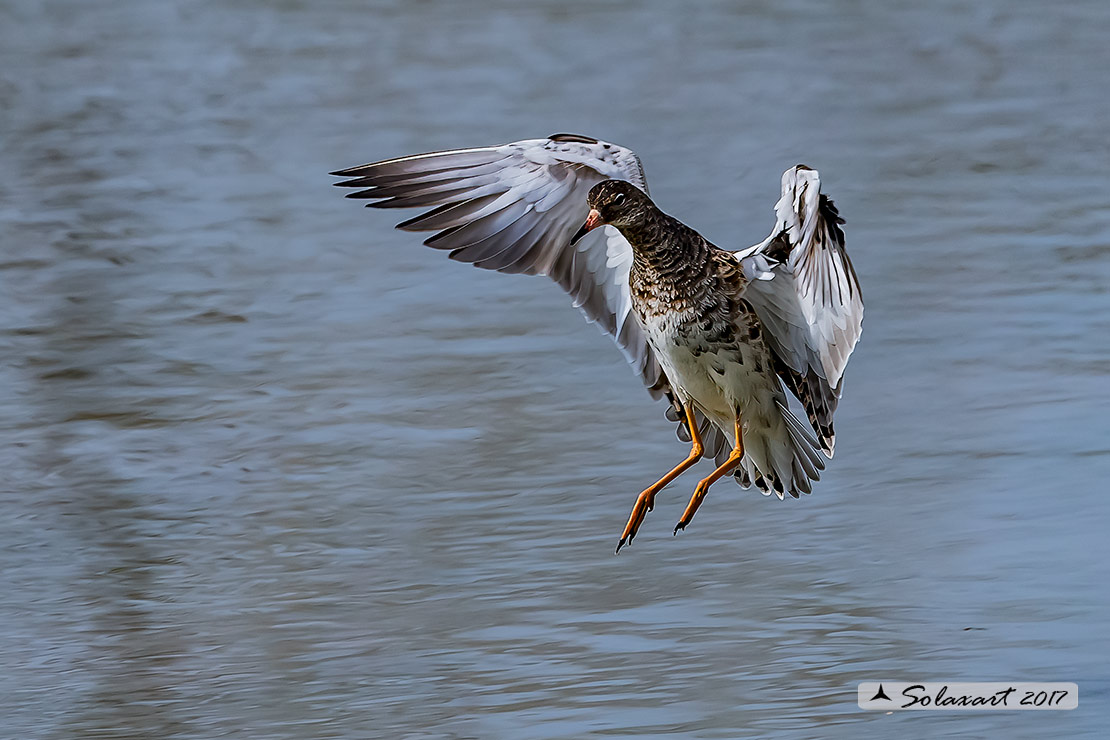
(691, 375)
(716, 382)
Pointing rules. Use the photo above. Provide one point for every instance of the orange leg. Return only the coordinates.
(645, 502)
(727, 467)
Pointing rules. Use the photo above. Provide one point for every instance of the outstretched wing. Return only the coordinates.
(514, 208)
(805, 292)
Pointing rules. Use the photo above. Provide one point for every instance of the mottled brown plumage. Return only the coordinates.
(689, 296)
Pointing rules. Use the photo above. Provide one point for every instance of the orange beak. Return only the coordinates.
(592, 222)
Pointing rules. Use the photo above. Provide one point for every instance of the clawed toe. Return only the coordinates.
(644, 503)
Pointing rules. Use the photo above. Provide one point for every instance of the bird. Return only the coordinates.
(726, 337)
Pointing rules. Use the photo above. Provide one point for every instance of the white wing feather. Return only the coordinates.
(806, 293)
(514, 208)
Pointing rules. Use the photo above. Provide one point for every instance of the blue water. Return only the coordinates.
(273, 470)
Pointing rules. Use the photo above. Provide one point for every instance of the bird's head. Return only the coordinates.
(616, 203)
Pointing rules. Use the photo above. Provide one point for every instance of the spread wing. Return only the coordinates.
(806, 293)
(514, 208)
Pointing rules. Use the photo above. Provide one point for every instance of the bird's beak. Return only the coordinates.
(592, 222)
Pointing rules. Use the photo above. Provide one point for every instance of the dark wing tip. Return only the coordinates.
(357, 182)
(577, 138)
(349, 171)
(829, 210)
(416, 222)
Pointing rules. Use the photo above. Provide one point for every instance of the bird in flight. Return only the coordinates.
(723, 335)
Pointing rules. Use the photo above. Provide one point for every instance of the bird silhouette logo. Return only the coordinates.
(880, 694)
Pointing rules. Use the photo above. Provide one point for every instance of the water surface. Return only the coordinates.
(272, 470)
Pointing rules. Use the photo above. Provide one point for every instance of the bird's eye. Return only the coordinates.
(618, 199)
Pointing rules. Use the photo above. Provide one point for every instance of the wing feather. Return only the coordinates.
(806, 293)
(513, 208)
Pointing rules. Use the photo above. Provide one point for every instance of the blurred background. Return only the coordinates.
(274, 470)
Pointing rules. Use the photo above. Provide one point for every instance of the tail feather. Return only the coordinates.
(780, 457)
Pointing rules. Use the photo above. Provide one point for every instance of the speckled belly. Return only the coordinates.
(720, 378)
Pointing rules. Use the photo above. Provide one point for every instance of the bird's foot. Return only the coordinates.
(692, 507)
(645, 502)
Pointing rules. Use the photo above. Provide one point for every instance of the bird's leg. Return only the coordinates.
(727, 467)
(645, 502)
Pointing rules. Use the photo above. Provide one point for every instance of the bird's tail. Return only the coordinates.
(780, 454)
